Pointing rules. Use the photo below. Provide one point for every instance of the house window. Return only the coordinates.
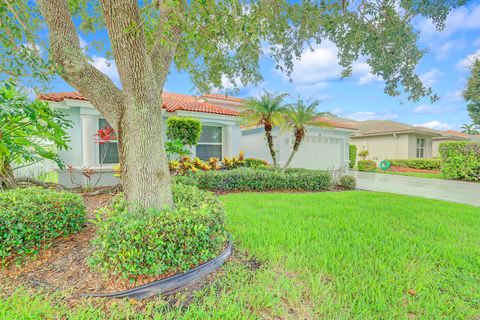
(107, 151)
(420, 148)
(210, 143)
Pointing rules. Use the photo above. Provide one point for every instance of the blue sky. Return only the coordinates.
(361, 97)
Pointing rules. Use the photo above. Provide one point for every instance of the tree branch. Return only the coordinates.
(67, 53)
(128, 41)
(164, 47)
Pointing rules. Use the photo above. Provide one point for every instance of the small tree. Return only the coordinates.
(184, 129)
(352, 155)
(363, 154)
(472, 93)
(29, 132)
(299, 117)
(266, 111)
(182, 133)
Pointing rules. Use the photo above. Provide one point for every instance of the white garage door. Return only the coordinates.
(318, 152)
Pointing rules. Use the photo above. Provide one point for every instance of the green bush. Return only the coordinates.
(184, 129)
(348, 182)
(460, 160)
(31, 218)
(247, 179)
(255, 163)
(352, 154)
(152, 242)
(425, 164)
(366, 165)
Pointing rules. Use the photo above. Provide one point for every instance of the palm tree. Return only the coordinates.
(470, 129)
(266, 111)
(299, 117)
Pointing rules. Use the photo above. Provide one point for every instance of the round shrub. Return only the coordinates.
(152, 242)
(31, 218)
(366, 165)
(348, 182)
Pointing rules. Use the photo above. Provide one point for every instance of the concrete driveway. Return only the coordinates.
(455, 191)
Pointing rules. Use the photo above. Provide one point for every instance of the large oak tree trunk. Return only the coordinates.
(145, 175)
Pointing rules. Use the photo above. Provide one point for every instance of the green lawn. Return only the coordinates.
(341, 255)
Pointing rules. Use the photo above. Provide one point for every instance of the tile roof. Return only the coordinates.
(171, 102)
(219, 96)
(337, 123)
(380, 127)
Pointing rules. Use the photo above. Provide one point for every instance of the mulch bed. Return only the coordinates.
(402, 169)
(63, 266)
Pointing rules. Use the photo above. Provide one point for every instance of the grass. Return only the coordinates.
(335, 255)
(414, 174)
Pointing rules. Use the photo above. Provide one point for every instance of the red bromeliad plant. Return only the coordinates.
(104, 136)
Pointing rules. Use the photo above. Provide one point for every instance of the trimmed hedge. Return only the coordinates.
(31, 218)
(150, 242)
(423, 164)
(460, 160)
(352, 153)
(366, 165)
(184, 129)
(247, 179)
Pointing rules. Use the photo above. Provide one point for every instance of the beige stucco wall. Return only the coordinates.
(383, 147)
(399, 146)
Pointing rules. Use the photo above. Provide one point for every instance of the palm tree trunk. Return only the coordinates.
(298, 140)
(268, 134)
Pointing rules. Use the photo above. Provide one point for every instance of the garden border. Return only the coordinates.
(171, 284)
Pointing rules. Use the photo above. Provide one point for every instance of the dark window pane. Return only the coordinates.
(207, 151)
(103, 124)
(109, 152)
(211, 134)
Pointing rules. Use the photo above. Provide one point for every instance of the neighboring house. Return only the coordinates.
(222, 136)
(393, 140)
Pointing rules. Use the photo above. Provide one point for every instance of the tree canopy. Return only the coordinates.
(223, 40)
(472, 93)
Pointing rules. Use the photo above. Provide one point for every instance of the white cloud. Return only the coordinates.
(462, 18)
(454, 96)
(431, 109)
(364, 72)
(108, 67)
(435, 124)
(320, 65)
(316, 66)
(370, 115)
(431, 77)
(443, 50)
(468, 61)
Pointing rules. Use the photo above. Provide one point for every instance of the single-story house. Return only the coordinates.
(222, 135)
(385, 139)
(448, 135)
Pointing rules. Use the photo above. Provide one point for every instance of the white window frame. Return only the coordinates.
(421, 148)
(98, 147)
(222, 134)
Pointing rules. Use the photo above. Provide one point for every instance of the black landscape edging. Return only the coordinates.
(171, 284)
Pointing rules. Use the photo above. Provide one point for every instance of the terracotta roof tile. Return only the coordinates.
(222, 97)
(171, 102)
(336, 123)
